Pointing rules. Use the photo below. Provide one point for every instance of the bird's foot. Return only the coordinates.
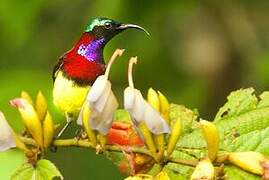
(53, 148)
(63, 129)
(80, 134)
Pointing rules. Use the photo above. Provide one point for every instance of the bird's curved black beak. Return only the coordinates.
(127, 26)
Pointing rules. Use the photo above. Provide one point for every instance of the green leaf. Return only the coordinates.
(43, 170)
(235, 173)
(254, 141)
(264, 102)
(238, 102)
(122, 115)
(26, 171)
(156, 168)
(47, 169)
(243, 124)
(178, 171)
(9, 161)
(254, 116)
(187, 117)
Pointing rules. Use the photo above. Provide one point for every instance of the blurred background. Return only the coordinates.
(197, 53)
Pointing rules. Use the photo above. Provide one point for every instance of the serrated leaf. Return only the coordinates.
(264, 102)
(231, 127)
(243, 123)
(238, 102)
(47, 169)
(43, 170)
(254, 141)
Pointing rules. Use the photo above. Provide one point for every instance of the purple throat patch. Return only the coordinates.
(91, 51)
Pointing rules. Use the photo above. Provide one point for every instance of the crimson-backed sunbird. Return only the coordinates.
(78, 68)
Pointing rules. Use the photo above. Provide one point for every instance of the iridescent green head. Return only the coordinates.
(107, 28)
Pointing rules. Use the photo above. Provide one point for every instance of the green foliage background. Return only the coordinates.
(198, 52)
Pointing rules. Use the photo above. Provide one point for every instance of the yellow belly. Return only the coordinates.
(67, 96)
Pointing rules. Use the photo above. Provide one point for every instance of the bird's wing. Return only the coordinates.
(57, 67)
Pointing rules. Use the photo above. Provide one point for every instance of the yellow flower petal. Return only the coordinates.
(26, 96)
(86, 113)
(164, 107)
(41, 105)
(30, 119)
(174, 136)
(212, 138)
(250, 161)
(48, 130)
(153, 99)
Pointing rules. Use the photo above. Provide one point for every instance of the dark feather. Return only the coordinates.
(57, 67)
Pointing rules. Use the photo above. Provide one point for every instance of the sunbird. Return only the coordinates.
(79, 67)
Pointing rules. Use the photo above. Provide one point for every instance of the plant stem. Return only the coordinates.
(116, 148)
(87, 144)
(190, 162)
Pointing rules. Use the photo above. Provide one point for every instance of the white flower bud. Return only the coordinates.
(7, 139)
(103, 104)
(101, 100)
(141, 111)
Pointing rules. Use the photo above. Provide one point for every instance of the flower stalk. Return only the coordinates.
(147, 135)
(114, 148)
(147, 119)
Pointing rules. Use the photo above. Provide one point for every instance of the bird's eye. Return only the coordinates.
(108, 25)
